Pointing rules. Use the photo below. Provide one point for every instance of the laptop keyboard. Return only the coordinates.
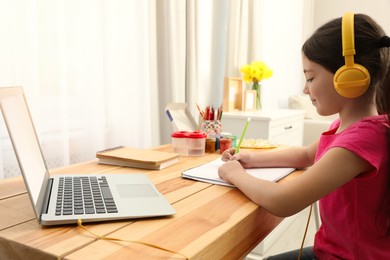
(84, 195)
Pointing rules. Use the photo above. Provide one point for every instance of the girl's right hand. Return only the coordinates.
(229, 155)
(242, 157)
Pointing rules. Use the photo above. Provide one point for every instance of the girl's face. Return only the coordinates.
(319, 86)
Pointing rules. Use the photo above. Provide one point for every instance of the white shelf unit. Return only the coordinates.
(280, 126)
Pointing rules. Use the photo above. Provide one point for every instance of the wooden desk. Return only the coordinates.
(212, 222)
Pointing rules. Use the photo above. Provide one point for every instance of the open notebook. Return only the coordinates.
(62, 199)
(208, 172)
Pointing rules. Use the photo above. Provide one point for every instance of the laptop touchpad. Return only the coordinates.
(135, 190)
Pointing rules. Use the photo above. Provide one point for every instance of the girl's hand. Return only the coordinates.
(244, 158)
(228, 155)
(229, 169)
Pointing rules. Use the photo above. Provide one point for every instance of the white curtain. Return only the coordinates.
(192, 52)
(273, 32)
(170, 60)
(221, 36)
(85, 68)
(99, 73)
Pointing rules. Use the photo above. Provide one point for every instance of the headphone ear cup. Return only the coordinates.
(351, 81)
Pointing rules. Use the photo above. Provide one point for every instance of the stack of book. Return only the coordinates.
(137, 158)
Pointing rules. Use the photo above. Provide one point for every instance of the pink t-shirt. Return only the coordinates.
(356, 216)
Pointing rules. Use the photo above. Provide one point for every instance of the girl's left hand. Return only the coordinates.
(229, 169)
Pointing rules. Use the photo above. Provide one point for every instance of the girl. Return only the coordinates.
(349, 169)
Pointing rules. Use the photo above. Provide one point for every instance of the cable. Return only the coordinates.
(80, 224)
(304, 235)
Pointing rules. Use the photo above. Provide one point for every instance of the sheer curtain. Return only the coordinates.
(85, 69)
(221, 36)
(271, 31)
(191, 55)
(99, 73)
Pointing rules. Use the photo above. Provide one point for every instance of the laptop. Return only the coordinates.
(97, 197)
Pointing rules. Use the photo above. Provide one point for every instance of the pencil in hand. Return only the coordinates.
(243, 134)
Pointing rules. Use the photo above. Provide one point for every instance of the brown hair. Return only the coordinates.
(325, 48)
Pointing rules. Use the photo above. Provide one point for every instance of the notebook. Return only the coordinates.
(137, 157)
(208, 172)
(123, 196)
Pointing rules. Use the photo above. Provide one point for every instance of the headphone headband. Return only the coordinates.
(351, 80)
(348, 35)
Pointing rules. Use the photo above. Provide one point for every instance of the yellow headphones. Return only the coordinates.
(351, 80)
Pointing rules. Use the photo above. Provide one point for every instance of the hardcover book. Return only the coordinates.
(137, 158)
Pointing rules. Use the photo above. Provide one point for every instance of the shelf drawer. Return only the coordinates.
(280, 126)
(293, 138)
(285, 127)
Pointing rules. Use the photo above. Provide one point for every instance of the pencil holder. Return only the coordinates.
(212, 127)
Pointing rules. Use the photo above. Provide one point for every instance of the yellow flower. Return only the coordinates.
(256, 72)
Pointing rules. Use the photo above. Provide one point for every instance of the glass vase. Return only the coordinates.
(256, 86)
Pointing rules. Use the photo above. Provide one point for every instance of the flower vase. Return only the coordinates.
(256, 86)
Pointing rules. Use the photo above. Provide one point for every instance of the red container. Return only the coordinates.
(179, 142)
(224, 144)
(196, 142)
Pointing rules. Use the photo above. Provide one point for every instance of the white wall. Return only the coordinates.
(329, 9)
(286, 57)
(283, 28)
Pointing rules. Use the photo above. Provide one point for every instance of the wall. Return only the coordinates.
(314, 14)
(377, 9)
(284, 33)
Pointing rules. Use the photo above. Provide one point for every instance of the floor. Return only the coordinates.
(287, 236)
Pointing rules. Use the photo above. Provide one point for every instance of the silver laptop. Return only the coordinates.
(63, 199)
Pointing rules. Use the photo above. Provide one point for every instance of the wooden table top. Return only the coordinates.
(211, 221)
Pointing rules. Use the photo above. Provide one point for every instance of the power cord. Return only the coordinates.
(304, 235)
(80, 224)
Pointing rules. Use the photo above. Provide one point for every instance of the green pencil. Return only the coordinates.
(243, 134)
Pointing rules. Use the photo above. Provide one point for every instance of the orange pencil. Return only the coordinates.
(200, 111)
(201, 122)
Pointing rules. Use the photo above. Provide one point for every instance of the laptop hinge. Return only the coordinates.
(46, 199)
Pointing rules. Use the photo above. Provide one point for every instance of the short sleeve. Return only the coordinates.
(368, 139)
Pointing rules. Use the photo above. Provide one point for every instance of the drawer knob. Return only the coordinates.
(288, 127)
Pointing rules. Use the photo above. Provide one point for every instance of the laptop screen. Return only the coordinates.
(28, 152)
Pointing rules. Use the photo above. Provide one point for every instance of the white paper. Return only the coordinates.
(208, 172)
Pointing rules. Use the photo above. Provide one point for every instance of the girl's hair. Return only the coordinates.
(371, 44)
(324, 47)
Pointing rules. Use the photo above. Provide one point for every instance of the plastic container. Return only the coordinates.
(196, 142)
(179, 142)
(230, 136)
(224, 144)
(234, 141)
(210, 145)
